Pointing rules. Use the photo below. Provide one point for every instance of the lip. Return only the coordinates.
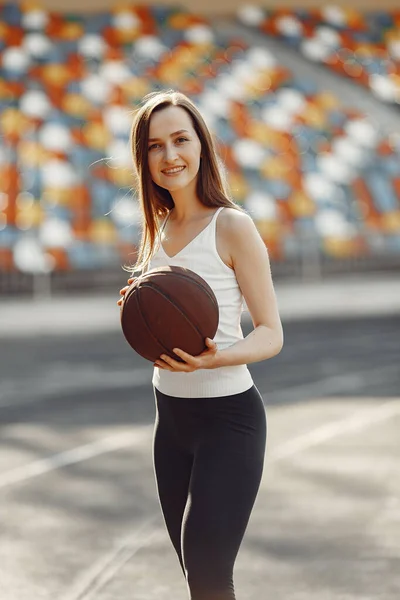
(174, 173)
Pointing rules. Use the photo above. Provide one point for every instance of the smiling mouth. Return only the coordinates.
(173, 171)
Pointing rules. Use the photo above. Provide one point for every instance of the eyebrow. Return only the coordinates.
(172, 134)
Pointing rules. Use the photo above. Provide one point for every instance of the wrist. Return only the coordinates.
(221, 359)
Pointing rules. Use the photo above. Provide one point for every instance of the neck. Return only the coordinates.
(187, 206)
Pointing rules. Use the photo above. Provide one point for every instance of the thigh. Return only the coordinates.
(226, 475)
(223, 490)
(172, 467)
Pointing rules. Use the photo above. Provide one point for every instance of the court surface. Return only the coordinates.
(80, 517)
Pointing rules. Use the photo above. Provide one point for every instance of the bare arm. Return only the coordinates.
(249, 258)
(253, 272)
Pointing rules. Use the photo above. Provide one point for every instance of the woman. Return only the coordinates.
(210, 430)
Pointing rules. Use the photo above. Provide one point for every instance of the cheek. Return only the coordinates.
(195, 160)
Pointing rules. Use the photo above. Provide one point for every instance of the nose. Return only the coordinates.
(170, 153)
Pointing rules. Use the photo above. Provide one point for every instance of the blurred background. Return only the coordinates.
(304, 103)
(303, 99)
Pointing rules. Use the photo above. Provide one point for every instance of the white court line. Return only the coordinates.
(346, 382)
(357, 422)
(104, 569)
(95, 578)
(129, 438)
(64, 379)
(76, 455)
(142, 434)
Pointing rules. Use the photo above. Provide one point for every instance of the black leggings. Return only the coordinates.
(208, 460)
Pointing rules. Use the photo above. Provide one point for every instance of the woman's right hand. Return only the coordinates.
(124, 290)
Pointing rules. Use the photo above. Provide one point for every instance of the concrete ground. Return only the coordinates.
(81, 519)
(336, 297)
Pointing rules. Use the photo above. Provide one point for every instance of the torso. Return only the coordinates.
(175, 237)
(199, 247)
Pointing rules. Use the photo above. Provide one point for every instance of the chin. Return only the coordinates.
(175, 186)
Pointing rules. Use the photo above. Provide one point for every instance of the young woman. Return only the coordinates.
(210, 430)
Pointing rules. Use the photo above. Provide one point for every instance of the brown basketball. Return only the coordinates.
(169, 307)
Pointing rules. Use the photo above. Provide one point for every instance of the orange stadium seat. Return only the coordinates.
(295, 157)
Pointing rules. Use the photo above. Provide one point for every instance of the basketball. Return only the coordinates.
(169, 307)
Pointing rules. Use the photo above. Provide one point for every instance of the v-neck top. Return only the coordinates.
(201, 256)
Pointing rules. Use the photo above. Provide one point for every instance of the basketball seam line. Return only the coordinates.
(147, 325)
(145, 321)
(171, 301)
(199, 285)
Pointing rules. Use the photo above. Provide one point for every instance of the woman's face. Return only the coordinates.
(173, 150)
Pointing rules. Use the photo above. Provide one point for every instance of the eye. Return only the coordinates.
(153, 146)
(181, 139)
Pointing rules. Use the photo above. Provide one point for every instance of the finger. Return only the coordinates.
(188, 358)
(162, 365)
(210, 343)
(121, 300)
(176, 365)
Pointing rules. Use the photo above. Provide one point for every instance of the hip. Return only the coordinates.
(236, 420)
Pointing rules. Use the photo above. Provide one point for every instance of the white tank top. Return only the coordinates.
(201, 256)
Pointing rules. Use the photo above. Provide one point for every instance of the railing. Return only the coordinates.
(305, 267)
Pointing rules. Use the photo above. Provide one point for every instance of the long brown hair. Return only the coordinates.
(155, 201)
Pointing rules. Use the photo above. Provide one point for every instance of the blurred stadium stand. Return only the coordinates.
(321, 179)
(364, 46)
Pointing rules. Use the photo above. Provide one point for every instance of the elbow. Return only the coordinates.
(277, 347)
(277, 344)
(274, 342)
(281, 338)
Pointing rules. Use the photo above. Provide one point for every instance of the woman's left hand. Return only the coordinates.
(206, 360)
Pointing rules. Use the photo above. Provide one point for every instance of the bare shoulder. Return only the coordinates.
(235, 226)
(231, 218)
(248, 257)
(234, 229)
